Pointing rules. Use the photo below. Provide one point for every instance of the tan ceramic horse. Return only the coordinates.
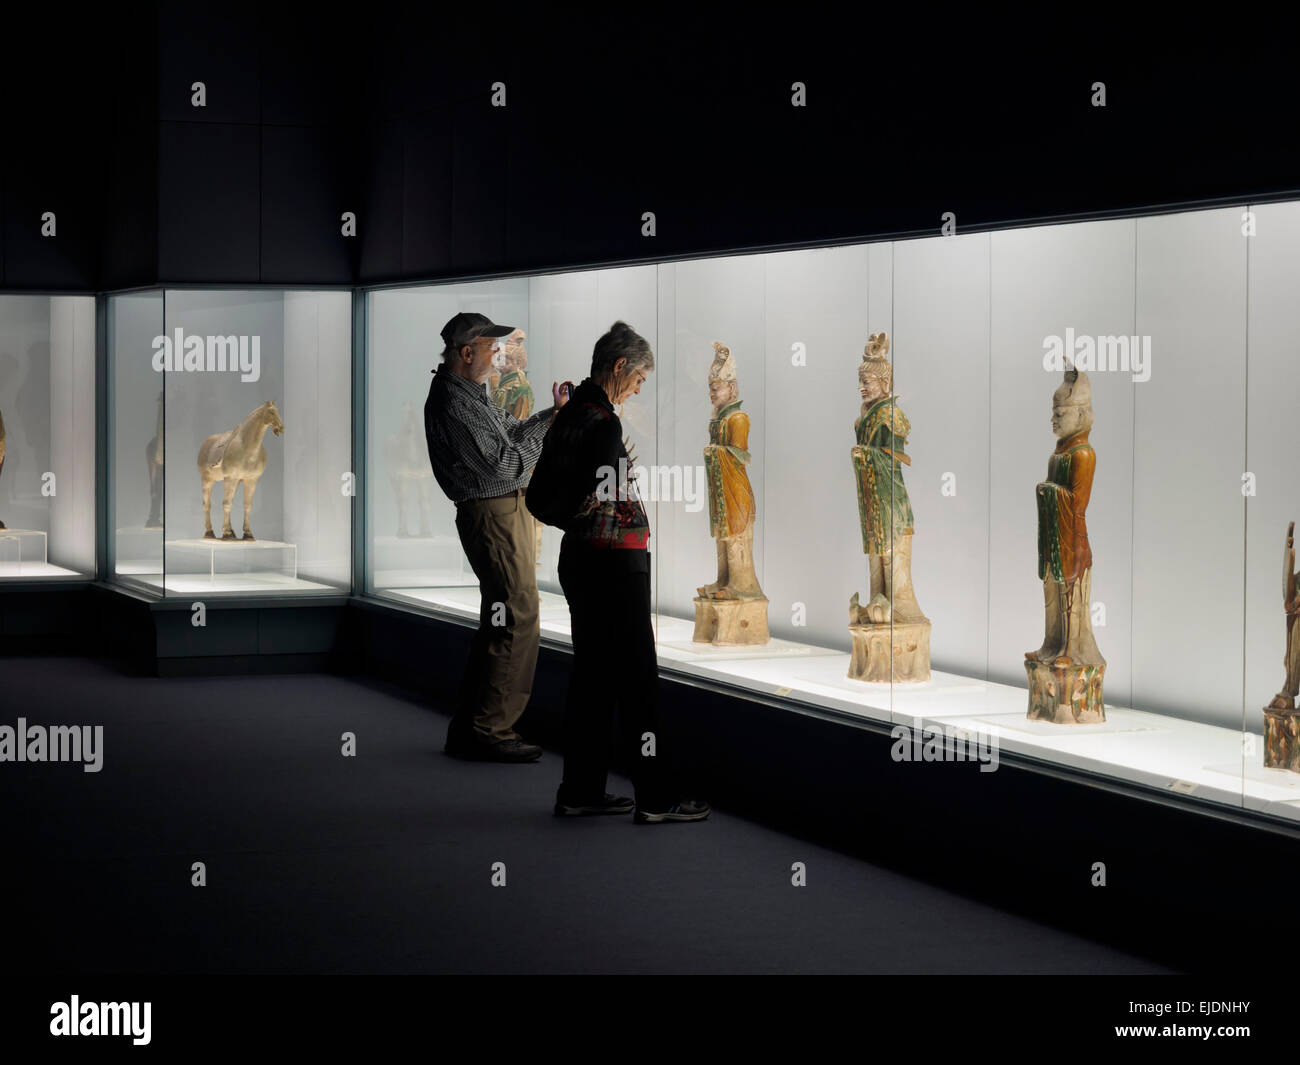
(236, 457)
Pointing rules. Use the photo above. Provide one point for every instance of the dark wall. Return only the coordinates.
(54, 117)
(252, 185)
(608, 116)
(690, 117)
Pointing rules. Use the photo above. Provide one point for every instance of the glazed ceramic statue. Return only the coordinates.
(2, 453)
(236, 457)
(732, 609)
(1065, 673)
(511, 392)
(891, 637)
(1281, 742)
(153, 457)
(409, 471)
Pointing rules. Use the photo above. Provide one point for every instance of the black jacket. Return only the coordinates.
(582, 482)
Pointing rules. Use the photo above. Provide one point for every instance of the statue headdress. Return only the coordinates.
(875, 361)
(1075, 390)
(724, 366)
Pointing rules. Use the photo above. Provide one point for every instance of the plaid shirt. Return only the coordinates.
(478, 450)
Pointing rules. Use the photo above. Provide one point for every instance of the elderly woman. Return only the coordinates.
(582, 483)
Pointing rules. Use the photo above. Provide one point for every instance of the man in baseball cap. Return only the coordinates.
(482, 456)
(468, 326)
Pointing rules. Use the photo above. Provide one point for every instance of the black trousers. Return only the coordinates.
(615, 675)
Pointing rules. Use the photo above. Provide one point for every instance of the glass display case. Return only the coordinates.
(47, 437)
(230, 442)
(1024, 491)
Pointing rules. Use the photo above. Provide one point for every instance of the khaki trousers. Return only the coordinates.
(499, 540)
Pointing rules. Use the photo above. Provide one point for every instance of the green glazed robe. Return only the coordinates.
(883, 506)
(513, 393)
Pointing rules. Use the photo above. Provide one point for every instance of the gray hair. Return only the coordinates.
(621, 342)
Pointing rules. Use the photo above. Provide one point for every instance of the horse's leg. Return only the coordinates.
(250, 490)
(208, 534)
(231, 485)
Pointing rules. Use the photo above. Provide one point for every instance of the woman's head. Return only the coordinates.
(621, 361)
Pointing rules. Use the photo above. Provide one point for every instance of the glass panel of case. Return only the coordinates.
(1080, 540)
(415, 554)
(136, 441)
(1270, 759)
(250, 394)
(1189, 550)
(47, 437)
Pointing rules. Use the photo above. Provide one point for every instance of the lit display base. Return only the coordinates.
(731, 622)
(885, 650)
(225, 584)
(230, 558)
(23, 547)
(463, 601)
(24, 555)
(1065, 695)
(1281, 742)
(1188, 758)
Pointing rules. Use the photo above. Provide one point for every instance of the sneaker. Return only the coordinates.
(515, 751)
(608, 804)
(686, 810)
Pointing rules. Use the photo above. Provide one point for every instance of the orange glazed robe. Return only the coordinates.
(1063, 550)
(731, 498)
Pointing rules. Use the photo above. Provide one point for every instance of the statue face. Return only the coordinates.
(721, 393)
(1068, 418)
(872, 389)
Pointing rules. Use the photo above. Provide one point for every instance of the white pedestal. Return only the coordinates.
(216, 558)
(23, 546)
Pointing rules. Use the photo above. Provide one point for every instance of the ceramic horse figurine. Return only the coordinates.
(153, 457)
(407, 456)
(236, 457)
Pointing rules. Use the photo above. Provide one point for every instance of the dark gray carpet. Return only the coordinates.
(383, 862)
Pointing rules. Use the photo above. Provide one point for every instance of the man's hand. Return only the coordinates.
(560, 392)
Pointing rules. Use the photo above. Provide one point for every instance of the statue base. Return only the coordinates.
(731, 622)
(1065, 694)
(883, 651)
(1281, 742)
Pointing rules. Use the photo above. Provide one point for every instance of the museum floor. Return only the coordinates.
(383, 862)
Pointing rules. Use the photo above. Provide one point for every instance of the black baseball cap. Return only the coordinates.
(468, 326)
